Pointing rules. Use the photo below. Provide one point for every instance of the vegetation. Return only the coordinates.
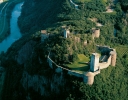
(42, 14)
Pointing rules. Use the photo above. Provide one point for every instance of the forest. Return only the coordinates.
(110, 84)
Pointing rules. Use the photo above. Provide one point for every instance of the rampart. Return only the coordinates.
(88, 77)
(104, 65)
(95, 66)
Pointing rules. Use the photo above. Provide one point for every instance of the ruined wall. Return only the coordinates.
(95, 33)
(113, 58)
(105, 64)
(87, 77)
(110, 61)
(104, 49)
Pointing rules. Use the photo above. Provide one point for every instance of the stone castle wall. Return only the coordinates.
(88, 77)
(60, 69)
(104, 65)
(104, 49)
(110, 61)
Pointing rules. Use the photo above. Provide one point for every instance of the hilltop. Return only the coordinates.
(28, 74)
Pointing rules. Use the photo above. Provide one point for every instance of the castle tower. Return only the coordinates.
(89, 78)
(94, 66)
(113, 58)
(85, 42)
(66, 33)
(97, 33)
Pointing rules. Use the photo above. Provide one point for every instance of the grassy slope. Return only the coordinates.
(80, 64)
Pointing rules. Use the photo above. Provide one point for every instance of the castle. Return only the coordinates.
(98, 61)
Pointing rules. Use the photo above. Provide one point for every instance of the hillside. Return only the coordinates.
(28, 75)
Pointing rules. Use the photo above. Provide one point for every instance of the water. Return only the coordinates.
(14, 29)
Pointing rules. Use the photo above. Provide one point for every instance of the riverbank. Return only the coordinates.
(14, 29)
(6, 43)
(6, 9)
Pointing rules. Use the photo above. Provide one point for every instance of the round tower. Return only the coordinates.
(89, 78)
(113, 58)
(97, 33)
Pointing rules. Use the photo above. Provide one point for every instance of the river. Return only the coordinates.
(14, 29)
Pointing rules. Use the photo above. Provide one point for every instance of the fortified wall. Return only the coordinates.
(88, 77)
(97, 63)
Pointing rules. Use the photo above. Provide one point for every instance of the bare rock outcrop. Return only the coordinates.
(43, 84)
(25, 52)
